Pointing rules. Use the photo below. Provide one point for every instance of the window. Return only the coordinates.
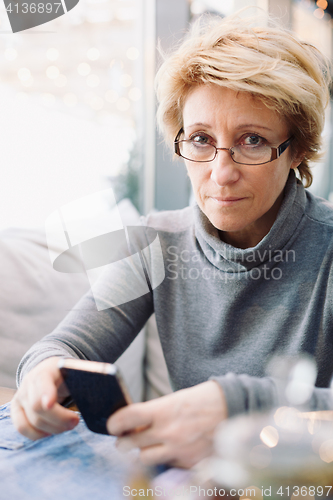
(72, 101)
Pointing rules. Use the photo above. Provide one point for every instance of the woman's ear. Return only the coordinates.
(295, 164)
(297, 160)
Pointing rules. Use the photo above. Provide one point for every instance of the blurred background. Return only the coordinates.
(78, 107)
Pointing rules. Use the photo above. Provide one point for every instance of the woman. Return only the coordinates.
(248, 269)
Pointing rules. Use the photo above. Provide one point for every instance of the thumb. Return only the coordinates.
(137, 416)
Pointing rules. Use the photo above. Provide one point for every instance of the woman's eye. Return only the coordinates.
(200, 139)
(253, 140)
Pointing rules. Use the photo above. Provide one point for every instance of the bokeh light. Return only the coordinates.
(269, 436)
(322, 4)
(319, 13)
(326, 451)
(24, 74)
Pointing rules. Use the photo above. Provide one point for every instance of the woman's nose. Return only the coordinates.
(224, 169)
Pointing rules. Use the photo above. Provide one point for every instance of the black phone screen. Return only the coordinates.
(97, 396)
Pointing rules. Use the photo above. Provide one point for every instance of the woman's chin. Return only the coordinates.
(225, 223)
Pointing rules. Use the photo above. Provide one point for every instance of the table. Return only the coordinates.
(6, 395)
(78, 464)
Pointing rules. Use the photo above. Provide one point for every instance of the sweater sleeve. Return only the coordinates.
(246, 394)
(99, 334)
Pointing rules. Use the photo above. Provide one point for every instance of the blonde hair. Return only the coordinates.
(286, 74)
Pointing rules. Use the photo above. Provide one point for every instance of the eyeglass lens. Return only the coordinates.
(240, 154)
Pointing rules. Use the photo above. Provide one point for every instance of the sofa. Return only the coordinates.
(35, 298)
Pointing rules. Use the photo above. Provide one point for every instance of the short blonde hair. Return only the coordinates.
(286, 74)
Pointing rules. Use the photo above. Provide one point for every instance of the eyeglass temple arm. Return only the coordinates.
(276, 152)
(176, 145)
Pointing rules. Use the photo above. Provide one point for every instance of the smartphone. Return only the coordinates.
(97, 389)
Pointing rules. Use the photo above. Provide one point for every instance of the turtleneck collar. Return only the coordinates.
(232, 259)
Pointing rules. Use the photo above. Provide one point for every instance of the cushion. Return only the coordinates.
(156, 373)
(33, 297)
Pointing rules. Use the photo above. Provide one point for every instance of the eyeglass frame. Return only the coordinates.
(276, 152)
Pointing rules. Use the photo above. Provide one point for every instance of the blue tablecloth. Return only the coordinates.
(77, 464)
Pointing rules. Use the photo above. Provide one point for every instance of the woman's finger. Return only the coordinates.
(134, 416)
(155, 455)
(35, 409)
(22, 424)
(48, 416)
(50, 422)
(139, 439)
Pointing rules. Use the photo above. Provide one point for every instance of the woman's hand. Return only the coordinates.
(177, 429)
(35, 409)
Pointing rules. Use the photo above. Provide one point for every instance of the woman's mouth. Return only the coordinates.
(227, 201)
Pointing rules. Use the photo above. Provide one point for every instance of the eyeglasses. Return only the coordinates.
(256, 154)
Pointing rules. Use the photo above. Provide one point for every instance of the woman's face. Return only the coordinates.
(240, 200)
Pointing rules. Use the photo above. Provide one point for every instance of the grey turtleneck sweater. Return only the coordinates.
(221, 312)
